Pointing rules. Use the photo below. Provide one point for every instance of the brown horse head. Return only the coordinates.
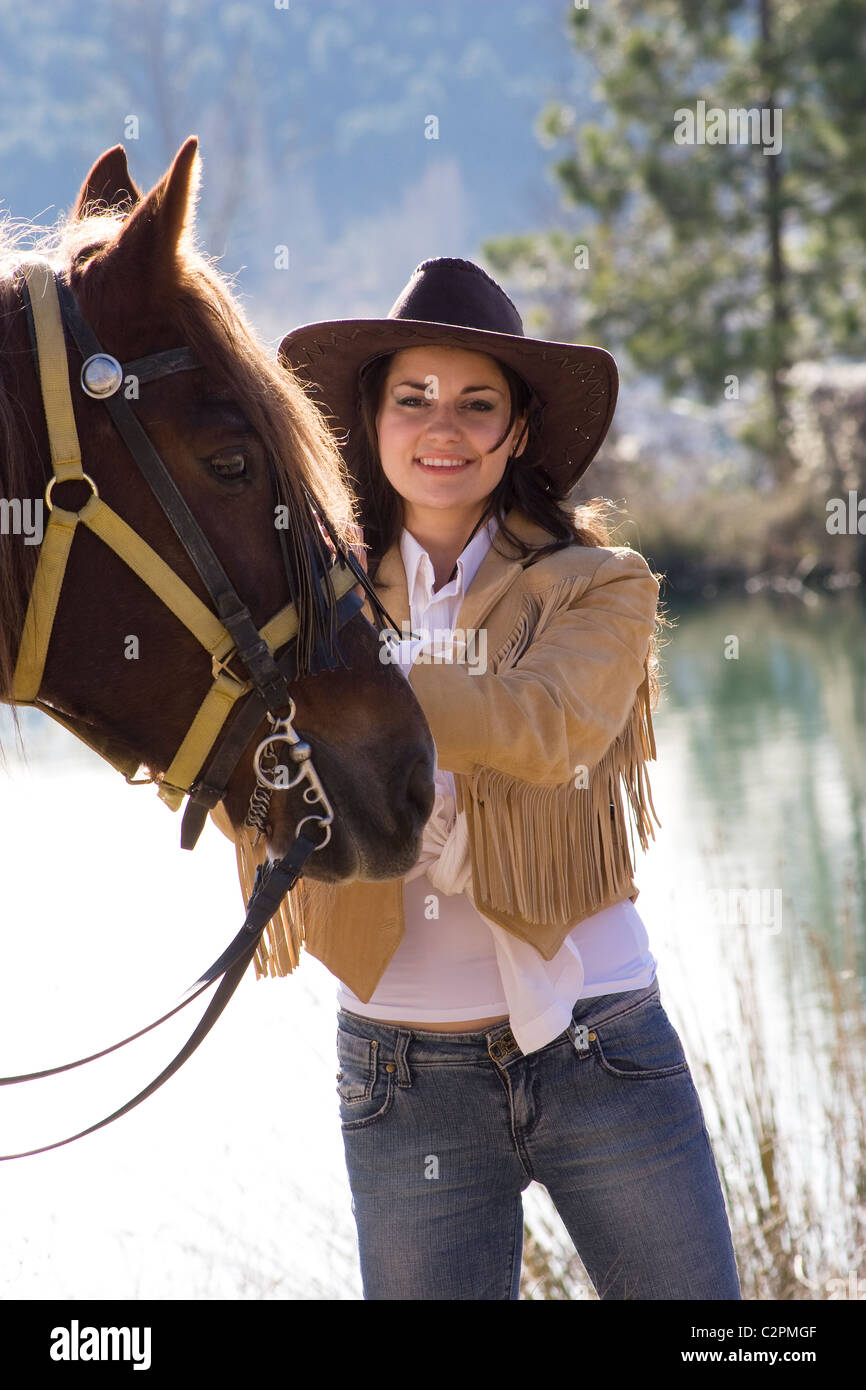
(139, 282)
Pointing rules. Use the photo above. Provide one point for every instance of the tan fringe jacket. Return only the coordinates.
(538, 745)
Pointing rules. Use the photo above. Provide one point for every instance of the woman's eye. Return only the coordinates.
(480, 405)
(231, 463)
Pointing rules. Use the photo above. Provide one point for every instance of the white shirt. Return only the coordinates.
(453, 962)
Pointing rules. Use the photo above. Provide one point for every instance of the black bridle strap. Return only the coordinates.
(273, 882)
(210, 788)
(158, 364)
(231, 611)
(269, 677)
(380, 611)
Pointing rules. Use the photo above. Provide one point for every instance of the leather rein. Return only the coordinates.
(208, 754)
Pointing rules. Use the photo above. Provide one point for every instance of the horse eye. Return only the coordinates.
(231, 464)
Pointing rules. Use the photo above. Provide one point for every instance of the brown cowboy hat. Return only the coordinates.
(454, 303)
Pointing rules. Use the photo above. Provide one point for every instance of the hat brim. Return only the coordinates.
(576, 384)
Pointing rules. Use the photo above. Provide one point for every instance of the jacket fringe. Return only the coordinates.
(513, 826)
(279, 949)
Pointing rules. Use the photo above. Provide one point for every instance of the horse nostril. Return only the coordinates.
(420, 791)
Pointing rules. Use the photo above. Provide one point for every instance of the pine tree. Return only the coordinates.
(721, 198)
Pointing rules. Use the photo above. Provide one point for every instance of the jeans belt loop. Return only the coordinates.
(404, 1075)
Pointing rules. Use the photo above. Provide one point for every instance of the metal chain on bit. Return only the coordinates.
(266, 765)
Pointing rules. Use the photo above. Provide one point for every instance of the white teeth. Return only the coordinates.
(443, 463)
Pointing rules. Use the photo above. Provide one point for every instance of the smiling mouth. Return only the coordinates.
(437, 463)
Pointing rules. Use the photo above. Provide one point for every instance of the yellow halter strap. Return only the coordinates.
(99, 518)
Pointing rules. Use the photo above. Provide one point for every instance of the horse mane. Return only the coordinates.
(210, 321)
(17, 562)
(292, 429)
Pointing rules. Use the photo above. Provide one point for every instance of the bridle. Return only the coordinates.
(207, 756)
(209, 753)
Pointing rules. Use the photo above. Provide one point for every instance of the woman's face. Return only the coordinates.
(441, 414)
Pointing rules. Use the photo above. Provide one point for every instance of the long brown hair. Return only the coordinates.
(526, 484)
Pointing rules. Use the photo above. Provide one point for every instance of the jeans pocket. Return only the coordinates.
(640, 1044)
(364, 1081)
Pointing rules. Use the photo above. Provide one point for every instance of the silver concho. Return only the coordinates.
(101, 376)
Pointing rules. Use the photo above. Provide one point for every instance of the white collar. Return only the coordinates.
(420, 577)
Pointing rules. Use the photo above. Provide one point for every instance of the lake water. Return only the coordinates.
(230, 1182)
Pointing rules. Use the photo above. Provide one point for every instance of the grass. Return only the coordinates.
(796, 1192)
(728, 535)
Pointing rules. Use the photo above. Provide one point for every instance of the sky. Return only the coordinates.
(314, 123)
(321, 191)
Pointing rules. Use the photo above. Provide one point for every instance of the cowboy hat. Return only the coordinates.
(454, 303)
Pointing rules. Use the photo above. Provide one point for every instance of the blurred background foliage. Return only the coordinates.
(726, 281)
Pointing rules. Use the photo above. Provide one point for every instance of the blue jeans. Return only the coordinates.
(444, 1131)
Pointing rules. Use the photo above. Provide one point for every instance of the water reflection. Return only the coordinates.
(757, 887)
(772, 742)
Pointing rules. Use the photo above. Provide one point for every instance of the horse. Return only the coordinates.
(240, 443)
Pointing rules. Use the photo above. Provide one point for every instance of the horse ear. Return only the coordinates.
(150, 242)
(109, 183)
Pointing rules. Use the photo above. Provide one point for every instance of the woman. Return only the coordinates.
(499, 1014)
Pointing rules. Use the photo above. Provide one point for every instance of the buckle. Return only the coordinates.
(504, 1046)
(206, 795)
(220, 666)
